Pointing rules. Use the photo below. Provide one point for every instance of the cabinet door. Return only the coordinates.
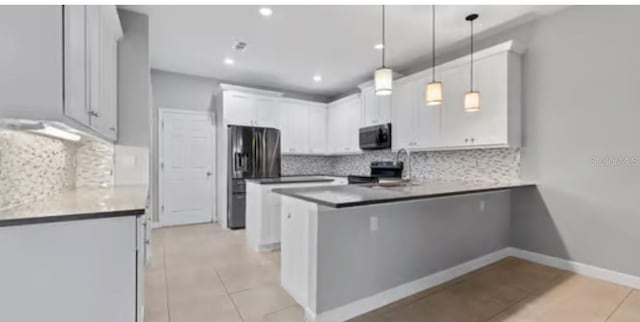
(490, 125)
(107, 108)
(427, 130)
(294, 127)
(333, 129)
(31, 61)
(317, 129)
(300, 124)
(75, 64)
(375, 109)
(456, 122)
(268, 110)
(352, 129)
(403, 115)
(369, 107)
(239, 109)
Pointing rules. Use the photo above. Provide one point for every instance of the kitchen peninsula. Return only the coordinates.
(386, 241)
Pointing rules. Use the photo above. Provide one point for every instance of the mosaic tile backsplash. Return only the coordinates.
(494, 165)
(33, 167)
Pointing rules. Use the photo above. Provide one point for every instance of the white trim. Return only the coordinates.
(579, 268)
(354, 96)
(507, 46)
(249, 90)
(162, 114)
(381, 299)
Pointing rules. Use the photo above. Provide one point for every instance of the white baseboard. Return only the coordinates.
(579, 268)
(381, 299)
(373, 302)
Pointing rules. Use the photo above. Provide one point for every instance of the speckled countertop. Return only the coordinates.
(364, 194)
(83, 203)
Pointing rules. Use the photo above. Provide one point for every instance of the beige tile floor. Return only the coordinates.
(204, 273)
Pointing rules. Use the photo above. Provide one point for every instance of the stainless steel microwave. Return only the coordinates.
(375, 137)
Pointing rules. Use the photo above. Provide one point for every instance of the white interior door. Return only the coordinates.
(186, 167)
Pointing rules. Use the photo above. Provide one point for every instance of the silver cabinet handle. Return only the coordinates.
(288, 215)
(473, 140)
(209, 173)
(466, 140)
(93, 113)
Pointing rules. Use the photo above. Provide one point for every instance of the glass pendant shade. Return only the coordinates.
(383, 78)
(472, 101)
(433, 93)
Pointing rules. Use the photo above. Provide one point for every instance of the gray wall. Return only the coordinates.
(175, 91)
(414, 239)
(134, 83)
(581, 104)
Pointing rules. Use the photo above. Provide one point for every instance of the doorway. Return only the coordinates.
(186, 167)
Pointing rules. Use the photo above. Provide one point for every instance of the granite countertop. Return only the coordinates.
(84, 203)
(364, 194)
(291, 179)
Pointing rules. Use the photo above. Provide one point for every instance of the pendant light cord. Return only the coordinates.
(471, 56)
(433, 42)
(384, 43)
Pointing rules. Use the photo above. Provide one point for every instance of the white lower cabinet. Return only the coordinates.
(297, 231)
(71, 271)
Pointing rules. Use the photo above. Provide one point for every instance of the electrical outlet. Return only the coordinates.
(481, 205)
(373, 223)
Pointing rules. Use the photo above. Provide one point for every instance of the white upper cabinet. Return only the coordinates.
(240, 109)
(418, 126)
(317, 128)
(61, 66)
(31, 80)
(268, 110)
(497, 124)
(344, 120)
(375, 109)
(295, 127)
(105, 30)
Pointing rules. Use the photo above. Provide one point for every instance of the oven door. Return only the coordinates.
(375, 137)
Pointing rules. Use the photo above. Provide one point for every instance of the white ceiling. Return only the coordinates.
(286, 49)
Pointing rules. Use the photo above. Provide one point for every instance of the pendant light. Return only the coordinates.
(433, 90)
(383, 76)
(472, 98)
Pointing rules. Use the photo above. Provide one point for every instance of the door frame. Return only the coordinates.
(163, 112)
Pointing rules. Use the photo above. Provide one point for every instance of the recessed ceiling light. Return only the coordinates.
(229, 61)
(378, 46)
(317, 78)
(266, 11)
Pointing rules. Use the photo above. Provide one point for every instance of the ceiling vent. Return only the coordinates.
(239, 46)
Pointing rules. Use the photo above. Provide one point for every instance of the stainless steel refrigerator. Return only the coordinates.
(254, 152)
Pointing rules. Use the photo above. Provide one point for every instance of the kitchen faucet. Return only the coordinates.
(408, 161)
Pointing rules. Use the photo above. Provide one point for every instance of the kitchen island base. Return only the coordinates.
(338, 263)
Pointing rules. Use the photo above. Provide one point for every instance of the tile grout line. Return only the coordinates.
(441, 287)
(525, 298)
(619, 304)
(166, 278)
(229, 296)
